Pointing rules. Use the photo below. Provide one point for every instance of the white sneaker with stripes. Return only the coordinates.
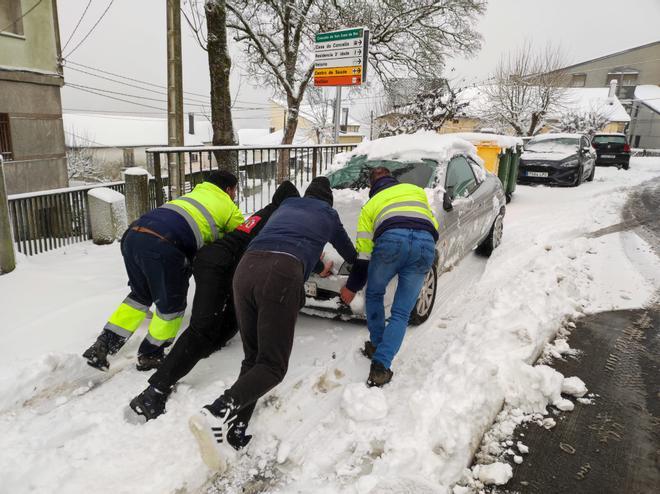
(211, 434)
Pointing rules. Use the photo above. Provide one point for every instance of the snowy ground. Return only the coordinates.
(321, 430)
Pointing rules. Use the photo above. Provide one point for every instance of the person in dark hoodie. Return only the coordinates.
(213, 321)
(268, 293)
(396, 236)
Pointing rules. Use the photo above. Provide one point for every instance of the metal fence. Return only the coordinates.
(46, 220)
(256, 167)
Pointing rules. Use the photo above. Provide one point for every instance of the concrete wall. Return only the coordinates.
(644, 59)
(30, 82)
(646, 126)
(37, 133)
(38, 47)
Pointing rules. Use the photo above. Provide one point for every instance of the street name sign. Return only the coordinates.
(341, 57)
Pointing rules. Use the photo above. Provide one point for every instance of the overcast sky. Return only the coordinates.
(130, 40)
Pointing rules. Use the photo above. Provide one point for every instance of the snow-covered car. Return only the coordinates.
(560, 159)
(468, 202)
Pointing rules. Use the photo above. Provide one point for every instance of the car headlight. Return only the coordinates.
(569, 163)
(345, 269)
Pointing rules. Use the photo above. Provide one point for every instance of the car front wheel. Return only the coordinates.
(426, 299)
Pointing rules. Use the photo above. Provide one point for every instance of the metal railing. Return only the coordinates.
(46, 220)
(256, 167)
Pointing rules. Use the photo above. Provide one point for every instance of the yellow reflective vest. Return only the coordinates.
(402, 200)
(209, 211)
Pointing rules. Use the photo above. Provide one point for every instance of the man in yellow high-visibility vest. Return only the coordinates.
(396, 236)
(158, 250)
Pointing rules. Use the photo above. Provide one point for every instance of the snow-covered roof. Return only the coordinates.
(649, 94)
(250, 137)
(500, 140)
(586, 99)
(100, 130)
(581, 99)
(264, 138)
(413, 147)
(307, 112)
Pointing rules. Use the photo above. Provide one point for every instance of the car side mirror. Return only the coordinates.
(446, 202)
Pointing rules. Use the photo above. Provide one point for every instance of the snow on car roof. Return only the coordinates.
(609, 134)
(558, 135)
(503, 141)
(410, 147)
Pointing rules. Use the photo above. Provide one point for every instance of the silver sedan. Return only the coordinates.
(469, 205)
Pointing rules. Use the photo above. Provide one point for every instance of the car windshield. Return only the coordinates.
(355, 175)
(609, 139)
(558, 145)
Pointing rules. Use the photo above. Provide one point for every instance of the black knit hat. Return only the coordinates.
(284, 191)
(319, 188)
(222, 179)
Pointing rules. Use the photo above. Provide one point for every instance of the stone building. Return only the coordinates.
(31, 131)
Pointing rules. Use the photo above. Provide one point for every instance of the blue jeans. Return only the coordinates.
(409, 254)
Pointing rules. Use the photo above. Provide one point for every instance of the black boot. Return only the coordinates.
(379, 375)
(237, 437)
(150, 356)
(108, 343)
(368, 350)
(150, 404)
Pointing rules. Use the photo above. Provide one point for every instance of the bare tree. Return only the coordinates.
(588, 121)
(81, 165)
(211, 34)
(429, 111)
(411, 37)
(527, 86)
(320, 111)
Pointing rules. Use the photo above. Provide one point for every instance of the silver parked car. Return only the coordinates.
(468, 202)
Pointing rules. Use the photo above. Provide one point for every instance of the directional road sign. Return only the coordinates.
(341, 57)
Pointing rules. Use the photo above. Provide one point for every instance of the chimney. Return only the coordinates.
(613, 84)
(191, 123)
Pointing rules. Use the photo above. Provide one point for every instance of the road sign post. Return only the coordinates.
(341, 60)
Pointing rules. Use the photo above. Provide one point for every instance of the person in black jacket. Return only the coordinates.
(268, 293)
(213, 321)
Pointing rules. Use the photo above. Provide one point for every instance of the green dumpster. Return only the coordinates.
(503, 171)
(514, 162)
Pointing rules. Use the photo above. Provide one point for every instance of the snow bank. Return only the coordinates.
(321, 430)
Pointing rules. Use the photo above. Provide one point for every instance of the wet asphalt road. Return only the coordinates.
(612, 445)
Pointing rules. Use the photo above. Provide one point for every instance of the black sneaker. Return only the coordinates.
(237, 437)
(211, 431)
(150, 404)
(107, 343)
(368, 350)
(379, 375)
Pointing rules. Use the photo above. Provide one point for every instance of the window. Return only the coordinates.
(636, 141)
(10, 16)
(630, 79)
(5, 138)
(578, 80)
(460, 178)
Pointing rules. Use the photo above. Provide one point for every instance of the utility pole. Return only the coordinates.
(7, 258)
(175, 165)
(371, 127)
(337, 114)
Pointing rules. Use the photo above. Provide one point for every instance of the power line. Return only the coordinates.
(162, 93)
(77, 86)
(131, 78)
(119, 99)
(77, 26)
(22, 15)
(92, 29)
